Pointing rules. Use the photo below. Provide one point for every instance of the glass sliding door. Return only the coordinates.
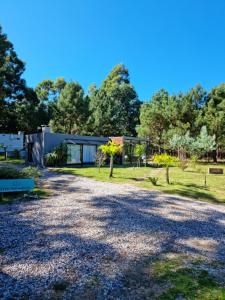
(73, 154)
(89, 152)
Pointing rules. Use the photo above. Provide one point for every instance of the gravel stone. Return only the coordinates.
(84, 237)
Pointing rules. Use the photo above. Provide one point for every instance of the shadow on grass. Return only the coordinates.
(192, 193)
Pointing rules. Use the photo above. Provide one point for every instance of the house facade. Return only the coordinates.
(80, 149)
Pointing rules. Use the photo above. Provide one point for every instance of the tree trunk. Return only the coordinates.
(5, 154)
(167, 175)
(214, 154)
(111, 167)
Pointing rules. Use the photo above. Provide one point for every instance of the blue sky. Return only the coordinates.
(173, 44)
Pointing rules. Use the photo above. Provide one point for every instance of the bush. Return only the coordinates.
(16, 153)
(32, 172)
(51, 159)
(153, 180)
(11, 173)
(155, 165)
(57, 157)
(183, 164)
(193, 161)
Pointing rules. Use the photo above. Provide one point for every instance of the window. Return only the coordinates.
(73, 154)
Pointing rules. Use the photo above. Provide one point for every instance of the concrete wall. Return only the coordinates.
(37, 139)
(12, 141)
(51, 140)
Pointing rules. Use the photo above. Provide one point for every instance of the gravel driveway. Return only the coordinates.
(78, 243)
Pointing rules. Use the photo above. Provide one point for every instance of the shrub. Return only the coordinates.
(183, 164)
(57, 157)
(32, 172)
(100, 159)
(167, 160)
(16, 153)
(51, 159)
(155, 165)
(193, 161)
(153, 180)
(11, 173)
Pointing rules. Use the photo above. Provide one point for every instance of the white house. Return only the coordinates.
(12, 141)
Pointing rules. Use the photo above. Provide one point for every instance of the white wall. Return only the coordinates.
(11, 141)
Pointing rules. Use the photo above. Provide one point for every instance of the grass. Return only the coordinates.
(175, 276)
(11, 197)
(11, 160)
(188, 183)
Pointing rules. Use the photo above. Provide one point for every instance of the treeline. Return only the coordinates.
(165, 116)
(112, 109)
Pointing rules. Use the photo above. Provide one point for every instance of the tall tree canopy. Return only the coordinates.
(11, 83)
(71, 110)
(114, 107)
(165, 115)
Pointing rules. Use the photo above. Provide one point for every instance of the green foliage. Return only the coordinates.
(10, 173)
(71, 110)
(153, 180)
(114, 107)
(193, 161)
(204, 143)
(165, 159)
(139, 151)
(164, 115)
(32, 172)
(100, 159)
(16, 154)
(51, 159)
(57, 157)
(11, 83)
(183, 164)
(111, 148)
(13, 173)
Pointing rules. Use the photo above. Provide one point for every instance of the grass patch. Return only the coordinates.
(37, 192)
(11, 160)
(188, 183)
(176, 277)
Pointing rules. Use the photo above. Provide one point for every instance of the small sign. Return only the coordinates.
(215, 171)
(16, 185)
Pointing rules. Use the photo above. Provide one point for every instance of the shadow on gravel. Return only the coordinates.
(60, 262)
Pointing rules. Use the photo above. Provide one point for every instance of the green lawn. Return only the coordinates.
(10, 197)
(11, 160)
(176, 276)
(188, 183)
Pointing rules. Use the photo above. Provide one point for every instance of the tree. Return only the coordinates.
(153, 119)
(195, 146)
(203, 144)
(164, 115)
(213, 116)
(114, 107)
(11, 83)
(166, 160)
(71, 110)
(139, 151)
(111, 149)
(100, 159)
(48, 92)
